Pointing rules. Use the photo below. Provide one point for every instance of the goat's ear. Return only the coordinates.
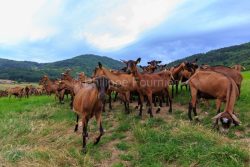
(195, 60)
(100, 64)
(138, 60)
(235, 119)
(158, 62)
(140, 66)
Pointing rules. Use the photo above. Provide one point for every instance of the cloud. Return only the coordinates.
(46, 30)
(27, 20)
(122, 25)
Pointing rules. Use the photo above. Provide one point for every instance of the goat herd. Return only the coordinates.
(151, 84)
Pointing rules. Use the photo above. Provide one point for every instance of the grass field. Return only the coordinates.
(39, 132)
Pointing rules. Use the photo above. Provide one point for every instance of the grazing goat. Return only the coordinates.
(149, 84)
(232, 73)
(88, 102)
(219, 87)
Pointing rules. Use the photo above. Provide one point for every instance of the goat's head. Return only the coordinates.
(43, 80)
(225, 119)
(154, 63)
(102, 84)
(99, 71)
(132, 65)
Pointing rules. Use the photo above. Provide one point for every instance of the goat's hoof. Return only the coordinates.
(96, 141)
(84, 150)
(197, 120)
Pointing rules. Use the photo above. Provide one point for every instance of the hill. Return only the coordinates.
(228, 56)
(32, 71)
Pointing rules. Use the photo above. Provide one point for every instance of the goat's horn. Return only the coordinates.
(237, 121)
(217, 116)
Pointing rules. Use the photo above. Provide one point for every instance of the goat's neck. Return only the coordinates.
(77, 86)
(137, 75)
(178, 69)
(118, 76)
(231, 98)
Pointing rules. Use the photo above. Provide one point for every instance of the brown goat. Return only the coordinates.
(127, 82)
(88, 102)
(149, 84)
(234, 74)
(175, 72)
(222, 88)
(16, 91)
(49, 86)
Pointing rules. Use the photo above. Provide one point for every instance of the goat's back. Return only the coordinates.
(86, 100)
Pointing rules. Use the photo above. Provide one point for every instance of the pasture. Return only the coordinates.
(40, 132)
(5, 86)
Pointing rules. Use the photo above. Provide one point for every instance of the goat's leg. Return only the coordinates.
(71, 101)
(160, 101)
(110, 101)
(128, 107)
(193, 101)
(103, 107)
(116, 94)
(125, 106)
(141, 104)
(218, 105)
(84, 133)
(190, 107)
(169, 100)
(154, 100)
(176, 86)
(99, 123)
(76, 126)
(192, 104)
(172, 90)
(61, 96)
(149, 96)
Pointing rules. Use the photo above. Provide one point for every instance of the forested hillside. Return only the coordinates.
(32, 71)
(238, 54)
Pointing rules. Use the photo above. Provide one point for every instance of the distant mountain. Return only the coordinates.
(32, 71)
(228, 56)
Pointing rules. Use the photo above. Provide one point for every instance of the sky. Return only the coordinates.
(167, 30)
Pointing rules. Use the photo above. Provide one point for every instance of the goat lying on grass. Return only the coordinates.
(218, 86)
(88, 102)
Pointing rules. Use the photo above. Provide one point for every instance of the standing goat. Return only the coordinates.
(88, 102)
(148, 84)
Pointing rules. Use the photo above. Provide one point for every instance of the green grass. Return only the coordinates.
(39, 132)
